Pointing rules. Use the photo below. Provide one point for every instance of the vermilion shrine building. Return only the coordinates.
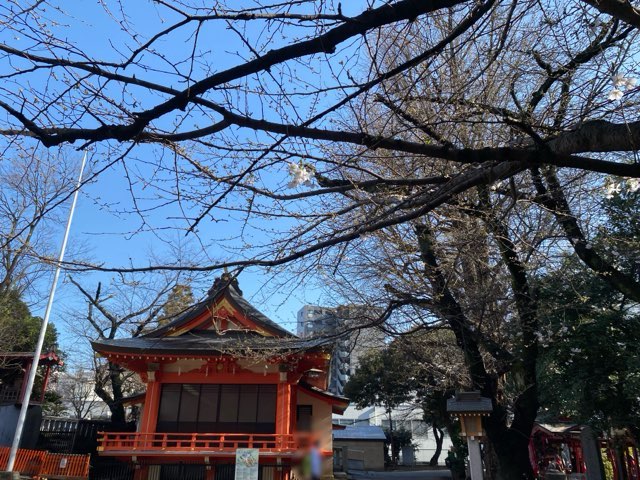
(223, 376)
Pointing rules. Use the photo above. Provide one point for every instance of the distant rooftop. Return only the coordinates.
(360, 432)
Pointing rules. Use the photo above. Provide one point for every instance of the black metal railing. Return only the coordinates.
(109, 469)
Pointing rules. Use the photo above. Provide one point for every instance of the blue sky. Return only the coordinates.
(104, 232)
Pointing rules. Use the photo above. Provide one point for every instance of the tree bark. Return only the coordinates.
(511, 444)
(438, 436)
(393, 444)
(113, 400)
(619, 9)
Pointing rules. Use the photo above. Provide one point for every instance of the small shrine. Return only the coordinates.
(219, 378)
(470, 407)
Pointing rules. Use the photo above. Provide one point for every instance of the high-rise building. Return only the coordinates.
(314, 320)
(349, 329)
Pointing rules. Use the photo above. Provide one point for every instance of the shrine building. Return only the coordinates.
(222, 377)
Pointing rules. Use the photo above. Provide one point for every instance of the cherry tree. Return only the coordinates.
(326, 127)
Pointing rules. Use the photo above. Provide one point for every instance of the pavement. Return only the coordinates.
(400, 475)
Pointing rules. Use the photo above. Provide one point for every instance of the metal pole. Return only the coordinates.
(43, 329)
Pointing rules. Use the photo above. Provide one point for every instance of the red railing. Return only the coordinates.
(41, 464)
(114, 443)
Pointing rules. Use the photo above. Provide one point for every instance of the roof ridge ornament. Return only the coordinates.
(224, 281)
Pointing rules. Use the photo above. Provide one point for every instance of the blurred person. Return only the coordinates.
(315, 461)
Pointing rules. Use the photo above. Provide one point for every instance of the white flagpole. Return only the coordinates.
(43, 329)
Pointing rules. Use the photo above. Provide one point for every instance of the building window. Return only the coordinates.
(354, 421)
(217, 408)
(303, 418)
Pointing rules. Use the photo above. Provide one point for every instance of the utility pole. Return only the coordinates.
(43, 329)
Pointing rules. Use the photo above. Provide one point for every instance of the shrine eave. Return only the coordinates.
(338, 403)
(239, 344)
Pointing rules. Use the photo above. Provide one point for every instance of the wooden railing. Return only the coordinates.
(110, 443)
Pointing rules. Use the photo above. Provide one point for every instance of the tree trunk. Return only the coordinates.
(511, 444)
(513, 459)
(394, 448)
(117, 408)
(438, 435)
(113, 400)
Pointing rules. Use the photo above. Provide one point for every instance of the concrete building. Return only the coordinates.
(349, 329)
(317, 321)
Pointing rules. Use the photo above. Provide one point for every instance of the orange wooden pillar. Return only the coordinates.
(141, 472)
(151, 406)
(209, 472)
(23, 387)
(284, 424)
(293, 420)
(283, 409)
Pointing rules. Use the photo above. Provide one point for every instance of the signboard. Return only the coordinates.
(247, 464)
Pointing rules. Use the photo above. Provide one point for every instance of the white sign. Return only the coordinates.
(247, 464)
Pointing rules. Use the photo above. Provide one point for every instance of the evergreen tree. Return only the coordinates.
(19, 332)
(179, 299)
(591, 340)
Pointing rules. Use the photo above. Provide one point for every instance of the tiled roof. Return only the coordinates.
(230, 288)
(470, 402)
(339, 402)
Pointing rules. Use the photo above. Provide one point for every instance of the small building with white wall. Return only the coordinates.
(408, 417)
(359, 447)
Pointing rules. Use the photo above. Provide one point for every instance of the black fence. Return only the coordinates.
(81, 436)
(109, 469)
(75, 436)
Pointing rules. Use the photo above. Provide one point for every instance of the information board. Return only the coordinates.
(247, 464)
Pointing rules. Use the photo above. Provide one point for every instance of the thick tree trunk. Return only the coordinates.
(113, 400)
(438, 436)
(511, 444)
(513, 459)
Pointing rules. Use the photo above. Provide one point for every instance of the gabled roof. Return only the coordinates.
(224, 322)
(469, 402)
(224, 288)
(557, 428)
(47, 358)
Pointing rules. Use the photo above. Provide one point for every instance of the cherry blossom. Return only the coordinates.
(621, 82)
(612, 189)
(633, 184)
(300, 175)
(615, 94)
